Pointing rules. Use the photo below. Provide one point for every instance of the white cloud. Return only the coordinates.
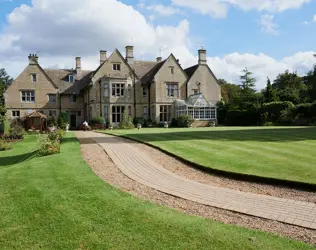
(268, 25)
(229, 66)
(314, 19)
(163, 10)
(219, 8)
(61, 34)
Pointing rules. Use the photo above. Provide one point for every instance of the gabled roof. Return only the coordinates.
(151, 73)
(59, 77)
(36, 114)
(191, 70)
(141, 68)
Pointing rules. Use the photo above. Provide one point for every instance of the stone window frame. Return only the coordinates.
(118, 89)
(172, 89)
(15, 113)
(116, 66)
(53, 96)
(28, 96)
(33, 77)
(165, 113)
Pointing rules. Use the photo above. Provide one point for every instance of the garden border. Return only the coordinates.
(227, 174)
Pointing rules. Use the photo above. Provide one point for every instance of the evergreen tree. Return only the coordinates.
(269, 93)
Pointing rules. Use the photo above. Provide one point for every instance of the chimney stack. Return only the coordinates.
(78, 63)
(202, 57)
(102, 56)
(159, 59)
(33, 59)
(130, 54)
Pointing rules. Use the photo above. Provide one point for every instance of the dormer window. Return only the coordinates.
(116, 67)
(33, 77)
(71, 78)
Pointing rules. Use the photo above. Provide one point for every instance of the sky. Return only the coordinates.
(266, 36)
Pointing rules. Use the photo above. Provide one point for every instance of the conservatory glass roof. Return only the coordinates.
(194, 101)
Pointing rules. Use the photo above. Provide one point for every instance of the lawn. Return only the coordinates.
(57, 202)
(278, 152)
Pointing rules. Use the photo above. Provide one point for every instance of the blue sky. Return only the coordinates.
(267, 36)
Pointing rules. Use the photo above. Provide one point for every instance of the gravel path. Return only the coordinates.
(102, 165)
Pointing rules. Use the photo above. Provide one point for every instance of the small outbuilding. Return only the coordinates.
(36, 121)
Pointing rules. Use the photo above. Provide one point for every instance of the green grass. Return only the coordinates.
(278, 152)
(57, 202)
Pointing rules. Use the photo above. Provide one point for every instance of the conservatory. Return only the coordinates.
(197, 107)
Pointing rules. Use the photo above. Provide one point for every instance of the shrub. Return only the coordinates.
(286, 117)
(174, 122)
(185, 121)
(126, 122)
(56, 135)
(4, 145)
(51, 122)
(137, 120)
(62, 120)
(98, 120)
(48, 146)
(274, 109)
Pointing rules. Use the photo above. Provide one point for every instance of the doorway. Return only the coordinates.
(73, 121)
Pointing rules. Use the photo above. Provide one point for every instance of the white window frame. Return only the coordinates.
(165, 113)
(116, 67)
(106, 90)
(73, 78)
(15, 113)
(34, 77)
(54, 96)
(28, 96)
(118, 89)
(117, 113)
(172, 89)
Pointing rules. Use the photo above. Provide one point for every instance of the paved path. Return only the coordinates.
(138, 166)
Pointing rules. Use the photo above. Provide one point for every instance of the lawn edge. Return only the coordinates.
(228, 174)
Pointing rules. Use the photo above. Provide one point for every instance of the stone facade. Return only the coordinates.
(140, 88)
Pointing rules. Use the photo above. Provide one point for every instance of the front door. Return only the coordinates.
(73, 121)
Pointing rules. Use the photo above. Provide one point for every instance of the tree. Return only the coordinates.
(289, 87)
(248, 84)
(5, 81)
(247, 81)
(310, 82)
(269, 93)
(230, 92)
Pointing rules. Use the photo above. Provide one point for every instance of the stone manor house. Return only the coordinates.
(159, 90)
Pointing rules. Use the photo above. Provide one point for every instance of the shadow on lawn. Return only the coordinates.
(259, 135)
(12, 160)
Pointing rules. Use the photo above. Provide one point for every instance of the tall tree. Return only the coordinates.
(289, 87)
(248, 83)
(230, 92)
(5, 82)
(269, 93)
(310, 83)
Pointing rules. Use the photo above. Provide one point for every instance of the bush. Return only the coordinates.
(274, 109)
(137, 120)
(183, 121)
(51, 122)
(174, 122)
(56, 135)
(48, 146)
(5, 145)
(62, 120)
(98, 120)
(126, 122)
(286, 117)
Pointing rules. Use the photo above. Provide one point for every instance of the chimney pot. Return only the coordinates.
(33, 59)
(130, 54)
(159, 59)
(102, 56)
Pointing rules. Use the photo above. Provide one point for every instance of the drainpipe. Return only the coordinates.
(100, 98)
(134, 86)
(149, 101)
